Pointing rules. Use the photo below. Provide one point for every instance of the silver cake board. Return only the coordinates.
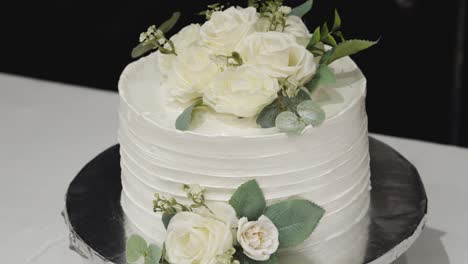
(98, 228)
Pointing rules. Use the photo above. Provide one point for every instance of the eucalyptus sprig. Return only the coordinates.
(154, 38)
(138, 248)
(293, 110)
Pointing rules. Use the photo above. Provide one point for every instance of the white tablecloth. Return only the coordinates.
(48, 131)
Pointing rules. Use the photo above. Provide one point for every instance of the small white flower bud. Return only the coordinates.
(285, 10)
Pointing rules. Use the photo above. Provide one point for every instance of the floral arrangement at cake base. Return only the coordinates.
(245, 230)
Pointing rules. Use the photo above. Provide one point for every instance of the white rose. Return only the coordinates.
(193, 238)
(223, 32)
(296, 27)
(192, 70)
(186, 37)
(259, 239)
(278, 55)
(223, 212)
(242, 91)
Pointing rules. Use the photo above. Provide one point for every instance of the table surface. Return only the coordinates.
(49, 131)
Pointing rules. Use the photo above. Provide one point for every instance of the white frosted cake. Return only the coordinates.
(326, 164)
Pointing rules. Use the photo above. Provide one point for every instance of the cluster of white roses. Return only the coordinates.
(204, 236)
(242, 90)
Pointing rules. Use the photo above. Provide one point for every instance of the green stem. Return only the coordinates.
(282, 104)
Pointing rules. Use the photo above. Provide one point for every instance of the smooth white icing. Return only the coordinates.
(328, 165)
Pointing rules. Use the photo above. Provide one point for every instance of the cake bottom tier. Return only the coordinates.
(340, 238)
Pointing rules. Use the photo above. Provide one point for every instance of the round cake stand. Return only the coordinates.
(98, 230)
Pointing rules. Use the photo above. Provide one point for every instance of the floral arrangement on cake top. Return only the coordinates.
(260, 61)
(243, 231)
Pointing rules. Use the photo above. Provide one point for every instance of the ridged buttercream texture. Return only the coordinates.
(328, 165)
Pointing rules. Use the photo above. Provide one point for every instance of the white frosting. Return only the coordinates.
(328, 165)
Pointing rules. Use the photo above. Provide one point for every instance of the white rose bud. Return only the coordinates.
(259, 239)
(223, 32)
(278, 55)
(186, 37)
(242, 91)
(192, 238)
(192, 70)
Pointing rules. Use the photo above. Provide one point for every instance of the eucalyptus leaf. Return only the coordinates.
(293, 102)
(266, 118)
(311, 113)
(302, 9)
(153, 254)
(243, 259)
(136, 248)
(141, 49)
(166, 219)
(185, 118)
(326, 56)
(337, 21)
(167, 25)
(289, 122)
(349, 47)
(323, 76)
(248, 201)
(295, 220)
(326, 75)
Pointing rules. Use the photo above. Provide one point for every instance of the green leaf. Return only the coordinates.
(324, 32)
(311, 113)
(185, 118)
(295, 220)
(243, 259)
(315, 39)
(348, 48)
(153, 254)
(340, 35)
(337, 21)
(166, 219)
(248, 201)
(289, 122)
(293, 102)
(326, 75)
(167, 25)
(326, 56)
(302, 9)
(136, 248)
(266, 117)
(330, 40)
(141, 49)
(323, 76)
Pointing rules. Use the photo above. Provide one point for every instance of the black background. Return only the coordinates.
(417, 85)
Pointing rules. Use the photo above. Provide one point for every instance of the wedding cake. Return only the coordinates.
(236, 112)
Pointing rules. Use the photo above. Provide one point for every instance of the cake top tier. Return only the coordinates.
(143, 89)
